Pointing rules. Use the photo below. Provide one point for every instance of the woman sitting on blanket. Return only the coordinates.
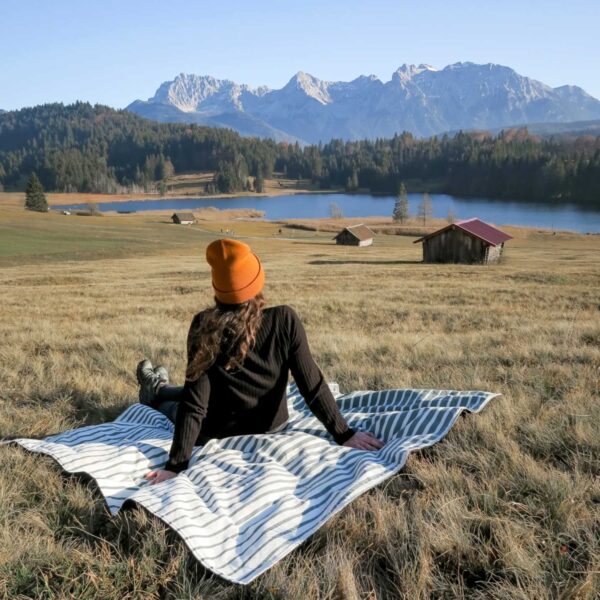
(239, 355)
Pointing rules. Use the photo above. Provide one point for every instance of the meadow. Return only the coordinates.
(177, 186)
(507, 506)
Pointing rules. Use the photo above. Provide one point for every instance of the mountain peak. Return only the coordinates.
(302, 78)
(406, 72)
(193, 93)
(362, 79)
(187, 92)
(466, 65)
(311, 86)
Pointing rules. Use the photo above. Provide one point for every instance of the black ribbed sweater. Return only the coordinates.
(251, 398)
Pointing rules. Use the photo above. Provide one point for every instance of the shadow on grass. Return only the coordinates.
(308, 242)
(90, 412)
(365, 262)
(86, 411)
(134, 533)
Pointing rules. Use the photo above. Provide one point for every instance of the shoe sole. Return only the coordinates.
(138, 370)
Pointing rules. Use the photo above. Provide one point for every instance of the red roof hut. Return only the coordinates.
(470, 241)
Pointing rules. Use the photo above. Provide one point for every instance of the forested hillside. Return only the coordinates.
(97, 149)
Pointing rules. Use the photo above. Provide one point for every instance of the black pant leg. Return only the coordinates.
(168, 397)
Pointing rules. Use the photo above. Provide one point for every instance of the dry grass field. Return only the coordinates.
(506, 507)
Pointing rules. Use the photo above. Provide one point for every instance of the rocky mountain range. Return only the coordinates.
(420, 99)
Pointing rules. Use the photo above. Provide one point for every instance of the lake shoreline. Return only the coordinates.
(58, 199)
(303, 204)
(318, 205)
(228, 217)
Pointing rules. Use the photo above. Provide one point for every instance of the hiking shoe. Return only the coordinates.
(162, 373)
(150, 381)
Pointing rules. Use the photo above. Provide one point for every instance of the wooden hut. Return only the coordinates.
(357, 235)
(470, 241)
(185, 218)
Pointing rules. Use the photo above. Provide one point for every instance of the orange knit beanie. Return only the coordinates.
(237, 274)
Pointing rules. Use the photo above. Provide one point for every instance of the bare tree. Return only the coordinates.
(335, 210)
(425, 209)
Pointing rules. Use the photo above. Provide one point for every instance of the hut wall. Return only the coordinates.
(454, 246)
(366, 242)
(493, 253)
(346, 239)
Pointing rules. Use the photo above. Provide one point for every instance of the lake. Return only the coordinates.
(307, 206)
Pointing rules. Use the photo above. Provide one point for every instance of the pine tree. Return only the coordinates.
(35, 198)
(259, 184)
(165, 168)
(425, 209)
(401, 205)
(352, 182)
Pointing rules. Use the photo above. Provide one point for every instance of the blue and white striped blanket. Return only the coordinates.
(247, 501)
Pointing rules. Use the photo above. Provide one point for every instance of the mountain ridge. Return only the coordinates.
(420, 99)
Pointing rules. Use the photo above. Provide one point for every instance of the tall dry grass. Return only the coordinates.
(507, 506)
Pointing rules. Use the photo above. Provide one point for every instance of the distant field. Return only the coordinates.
(27, 236)
(186, 184)
(507, 506)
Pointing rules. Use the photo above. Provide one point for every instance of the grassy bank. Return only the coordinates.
(507, 506)
(179, 186)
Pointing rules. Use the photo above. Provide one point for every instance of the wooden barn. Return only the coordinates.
(470, 241)
(357, 235)
(185, 218)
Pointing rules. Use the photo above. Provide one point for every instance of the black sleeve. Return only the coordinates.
(191, 411)
(311, 382)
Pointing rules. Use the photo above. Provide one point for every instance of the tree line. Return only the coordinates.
(85, 148)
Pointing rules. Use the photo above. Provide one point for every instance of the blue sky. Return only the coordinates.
(113, 52)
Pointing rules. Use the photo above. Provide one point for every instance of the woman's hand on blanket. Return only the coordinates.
(363, 440)
(159, 475)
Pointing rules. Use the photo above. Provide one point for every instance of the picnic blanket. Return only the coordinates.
(247, 501)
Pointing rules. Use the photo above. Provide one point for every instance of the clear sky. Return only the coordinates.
(115, 51)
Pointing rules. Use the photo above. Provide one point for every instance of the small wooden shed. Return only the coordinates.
(357, 235)
(470, 241)
(184, 218)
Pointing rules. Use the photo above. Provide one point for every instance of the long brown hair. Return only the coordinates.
(228, 330)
